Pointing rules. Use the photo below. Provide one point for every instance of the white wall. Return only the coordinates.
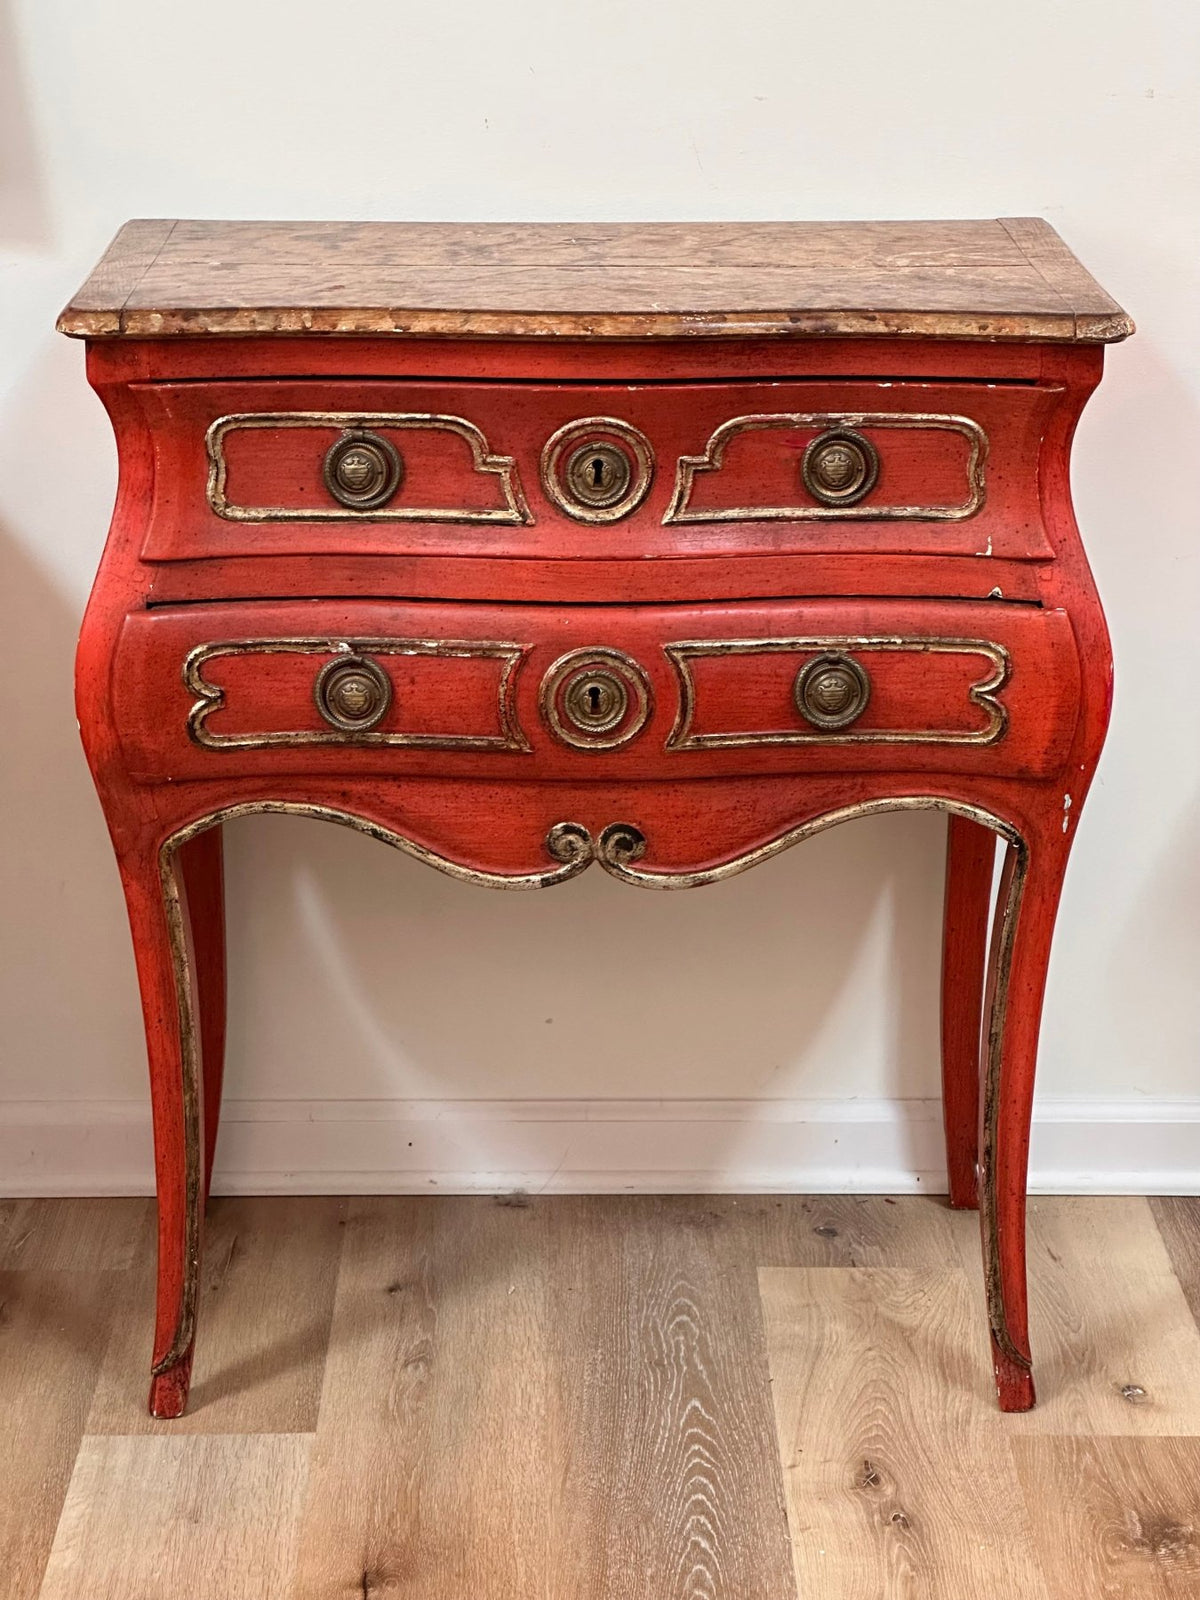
(391, 1027)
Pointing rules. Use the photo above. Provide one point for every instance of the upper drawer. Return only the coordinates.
(603, 470)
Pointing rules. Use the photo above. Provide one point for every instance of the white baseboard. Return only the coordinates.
(1134, 1146)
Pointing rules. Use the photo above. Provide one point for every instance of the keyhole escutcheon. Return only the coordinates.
(597, 469)
(595, 699)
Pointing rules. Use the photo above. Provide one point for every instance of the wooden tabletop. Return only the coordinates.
(1007, 279)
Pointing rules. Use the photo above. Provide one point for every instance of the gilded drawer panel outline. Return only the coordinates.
(680, 511)
(981, 693)
(211, 697)
(514, 513)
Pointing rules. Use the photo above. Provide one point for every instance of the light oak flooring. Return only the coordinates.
(645, 1398)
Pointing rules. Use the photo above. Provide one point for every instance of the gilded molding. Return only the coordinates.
(622, 844)
(211, 697)
(514, 513)
(713, 457)
(981, 693)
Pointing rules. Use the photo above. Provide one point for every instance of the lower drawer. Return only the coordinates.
(331, 686)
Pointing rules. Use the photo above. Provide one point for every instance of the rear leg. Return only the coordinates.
(202, 874)
(970, 859)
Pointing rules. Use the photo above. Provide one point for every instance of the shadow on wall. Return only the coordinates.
(71, 1018)
(361, 973)
(1156, 949)
(24, 217)
(1121, 1017)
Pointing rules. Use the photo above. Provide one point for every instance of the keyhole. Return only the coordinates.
(599, 474)
(595, 700)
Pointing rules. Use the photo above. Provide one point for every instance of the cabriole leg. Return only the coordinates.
(202, 873)
(1026, 907)
(161, 941)
(970, 857)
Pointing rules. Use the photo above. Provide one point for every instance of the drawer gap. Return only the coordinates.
(604, 382)
(588, 605)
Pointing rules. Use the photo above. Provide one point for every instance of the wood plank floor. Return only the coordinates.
(652, 1398)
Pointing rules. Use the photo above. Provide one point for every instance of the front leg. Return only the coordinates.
(161, 940)
(1030, 889)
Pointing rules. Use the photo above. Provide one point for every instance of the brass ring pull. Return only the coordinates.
(832, 691)
(840, 467)
(353, 693)
(362, 470)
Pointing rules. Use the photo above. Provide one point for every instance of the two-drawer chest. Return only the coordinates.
(656, 548)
